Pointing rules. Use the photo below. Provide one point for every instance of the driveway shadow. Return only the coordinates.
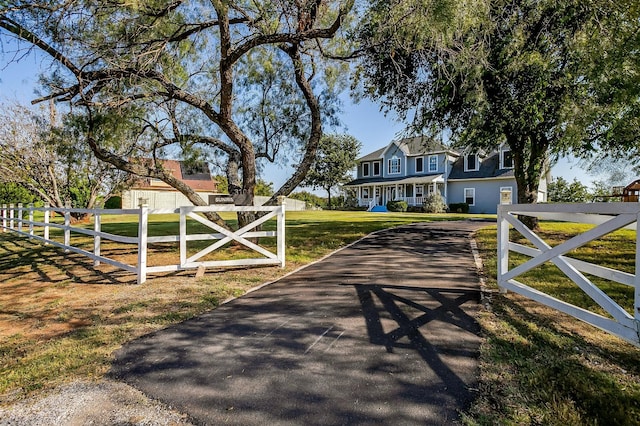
(382, 332)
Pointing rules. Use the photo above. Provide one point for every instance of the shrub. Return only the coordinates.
(459, 208)
(397, 206)
(434, 203)
(113, 203)
(12, 193)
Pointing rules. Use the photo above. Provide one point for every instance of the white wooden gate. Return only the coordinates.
(608, 217)
(12, 219)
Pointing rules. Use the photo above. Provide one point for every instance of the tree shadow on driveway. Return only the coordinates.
(382, 332)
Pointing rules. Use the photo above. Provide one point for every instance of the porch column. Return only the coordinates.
(396, 192)
(415, 198)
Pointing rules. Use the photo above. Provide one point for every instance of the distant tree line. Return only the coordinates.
(562, 191)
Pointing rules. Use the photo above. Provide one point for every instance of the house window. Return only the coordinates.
(419, 165)
(470, 162)
(506, 195)
(365, 169)
(365, 192)
(470, 196)
(419, 191)
(376, 168)
(506, 160)
(394, 165)
(433, 163)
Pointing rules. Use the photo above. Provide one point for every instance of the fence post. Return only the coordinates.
(67, 227)
(280, 229)
(183, 237)
(47, 214)
(30, 207)
(96, 238)
(4, 218)
(11, 214)
(503, 245)
(143, 222)
(19, 217)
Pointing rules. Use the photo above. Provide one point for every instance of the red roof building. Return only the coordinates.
(159, 195)
(198, 177)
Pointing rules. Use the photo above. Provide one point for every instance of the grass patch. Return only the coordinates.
(539, 366)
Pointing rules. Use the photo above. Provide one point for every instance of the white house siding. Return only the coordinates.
(158, 199)
(487, 193)
(174, 199)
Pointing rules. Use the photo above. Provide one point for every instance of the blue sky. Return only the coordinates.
(362, 120)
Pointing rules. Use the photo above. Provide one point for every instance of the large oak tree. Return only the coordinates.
(543, 76)
(240, 80)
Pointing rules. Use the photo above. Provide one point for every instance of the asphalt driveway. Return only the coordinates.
(382, 332)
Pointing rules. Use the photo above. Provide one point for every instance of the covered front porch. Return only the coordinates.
(411, 190)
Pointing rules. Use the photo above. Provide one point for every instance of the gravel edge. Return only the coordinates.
(104, 402)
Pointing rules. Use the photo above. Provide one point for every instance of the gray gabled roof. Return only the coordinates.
(489, 168)
(417, 145)
(375, 155)
(420, 145)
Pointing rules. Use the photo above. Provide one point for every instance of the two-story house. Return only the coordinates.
(412, 168)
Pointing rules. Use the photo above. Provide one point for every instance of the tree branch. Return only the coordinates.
(17, 29)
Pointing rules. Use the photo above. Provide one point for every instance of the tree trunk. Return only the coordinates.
(316, 127)
(529, 165)
(155, 172)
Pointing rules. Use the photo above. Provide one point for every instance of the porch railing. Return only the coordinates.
(412, 201)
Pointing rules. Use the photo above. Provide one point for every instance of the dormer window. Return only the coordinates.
(471, 163)
(365, 169)
(394, 165)
(506, 159)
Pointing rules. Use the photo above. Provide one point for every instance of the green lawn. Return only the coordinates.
(542, 367)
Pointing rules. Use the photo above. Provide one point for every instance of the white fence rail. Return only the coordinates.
(608, 217)
(20, 220)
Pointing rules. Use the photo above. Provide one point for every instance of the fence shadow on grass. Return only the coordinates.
(559, 376)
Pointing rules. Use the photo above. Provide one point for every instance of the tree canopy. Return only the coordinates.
(543, 76)
(561, 191)
(245, 81)
(336, 157)
(43, 153)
